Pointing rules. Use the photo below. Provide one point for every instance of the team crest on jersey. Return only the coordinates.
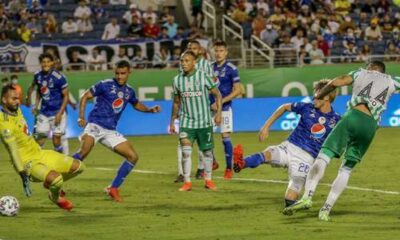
(118, 104)
(322, 120)
(318, 130)
(120, 94)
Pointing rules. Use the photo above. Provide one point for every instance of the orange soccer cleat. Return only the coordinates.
(64, 204)
(113, 193)
(228, 174)
(210, 185)
(187, 186)
(238, 162)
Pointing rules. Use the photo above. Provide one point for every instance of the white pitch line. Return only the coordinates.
(263, 180)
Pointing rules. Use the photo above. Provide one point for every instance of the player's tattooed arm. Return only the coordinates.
(65, 95)
(175, 110)
(218, 102)
(82, 106)
(341, 81)
(264, 131)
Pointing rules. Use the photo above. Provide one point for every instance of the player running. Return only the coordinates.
(298, 152)
(353, 134)
(229, 86)
(29, 160)
(52, 96)
(112, 96)
(191, 95)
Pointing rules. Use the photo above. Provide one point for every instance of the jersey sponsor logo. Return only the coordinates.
(117, 105)
(290, 122)
(318, 130)
(192, 94)
(394, 120)
(45, 91)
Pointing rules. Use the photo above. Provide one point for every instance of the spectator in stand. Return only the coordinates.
(96, 61)
(382, 6)
(98, 11)
(133, 11)
(316, 54)
(160, 59)
(334, 23)
(34, 26)
(85, 25)
(349, 37)
(349, 54)
(298, 39)
(373, 32)
(82, 11)
(307, 45)
(14, 7)
(396, 38)
(391, 53)
(368, 7)
(174, 60)
(18, 65)
(303, 56)
(151, 30)
(286, 51)
(3, 18)
(17, 87)
(139, 61)
(150, 14)
(365, 54)
(277, 19)
(76, 63)
(51, 25)
(180, 34)
(36, 10)
(261, 4)
(342, 7)
(69, 26)
(348, 23)
(163, 34)
(239, 15)
(117, 2)
(197, 13)
(164, 15)
(111, 30)
(119, 57)
(258, 24)
(24, 33)
(363, 22)
(135, 29)
(386, 24)
(269, 35)
(171, 26)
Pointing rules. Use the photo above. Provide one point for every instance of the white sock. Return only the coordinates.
(65, 144)
(315, 175)
(201, 160)
(208, 162)
(187, 162)
(338, 186)
(180, 167)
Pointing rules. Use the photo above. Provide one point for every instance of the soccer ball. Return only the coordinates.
(9, 206)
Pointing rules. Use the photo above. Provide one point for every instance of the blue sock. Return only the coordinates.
(77, 156)
(254, 160)
(123, 171)
(58, 148)
(228, 151)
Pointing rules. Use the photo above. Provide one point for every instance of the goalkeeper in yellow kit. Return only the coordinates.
(29, 160)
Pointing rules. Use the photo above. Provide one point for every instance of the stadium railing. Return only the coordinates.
(229, 26)
(260, 47)
(210, 20)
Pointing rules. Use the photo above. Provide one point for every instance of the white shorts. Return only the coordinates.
(109, 138)
(294, 158)
(46, 124)
(226, 122)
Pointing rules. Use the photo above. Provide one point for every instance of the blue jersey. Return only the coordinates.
(313, 128)
(111, 100)
(227, 75)
(50, 87)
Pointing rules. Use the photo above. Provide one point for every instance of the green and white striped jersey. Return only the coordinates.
(195, 112)
(203, 65)
(373, 89)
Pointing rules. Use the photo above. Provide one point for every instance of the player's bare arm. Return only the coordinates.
(236, 91)
(341, 81)
(264, 131)
(31, 88)
(218, 101)
(65, 94)
(82, 106)
(143, 108)
(174, 115)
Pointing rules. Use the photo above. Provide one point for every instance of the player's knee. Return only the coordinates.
(53, 180)
(296, 184)
(186, 152)
(208, 154)
(77, 167)
(132, 157)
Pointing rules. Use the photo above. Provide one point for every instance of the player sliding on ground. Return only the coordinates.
(191, 96)
(112, 96)
(29, 160)
(298, 152)
(353, 134)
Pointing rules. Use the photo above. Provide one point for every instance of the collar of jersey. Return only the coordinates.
(2, 110)
(188, 76)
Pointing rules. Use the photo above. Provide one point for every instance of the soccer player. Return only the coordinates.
(205, 66)
(192, 105)
(112, 96)
(29, 160)
(298, 152)
(229, 86)
(353, 134)
(52, 96)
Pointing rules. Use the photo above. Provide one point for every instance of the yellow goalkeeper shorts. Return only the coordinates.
(50, 161)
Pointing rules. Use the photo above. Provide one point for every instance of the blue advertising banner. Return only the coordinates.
(249, 115)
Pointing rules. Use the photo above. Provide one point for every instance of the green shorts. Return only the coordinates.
(203, 136)
(351, 137)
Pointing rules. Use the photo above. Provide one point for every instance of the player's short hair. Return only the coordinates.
(378, 65)
(46, 55)
(6, 89)
(220, 43)
(194, 42)
(321, 84)
(123, 64)
(188, 52)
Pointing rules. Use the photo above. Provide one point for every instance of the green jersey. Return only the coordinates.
(203, 65)
(195, 112)
(373, 89)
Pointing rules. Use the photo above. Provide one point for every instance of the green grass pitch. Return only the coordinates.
(240, 209)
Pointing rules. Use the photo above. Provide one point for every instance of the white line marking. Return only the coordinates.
(263, 180)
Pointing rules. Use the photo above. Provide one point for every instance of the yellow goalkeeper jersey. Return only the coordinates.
(14, 131)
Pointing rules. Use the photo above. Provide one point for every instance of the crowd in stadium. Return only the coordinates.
(351, 29)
